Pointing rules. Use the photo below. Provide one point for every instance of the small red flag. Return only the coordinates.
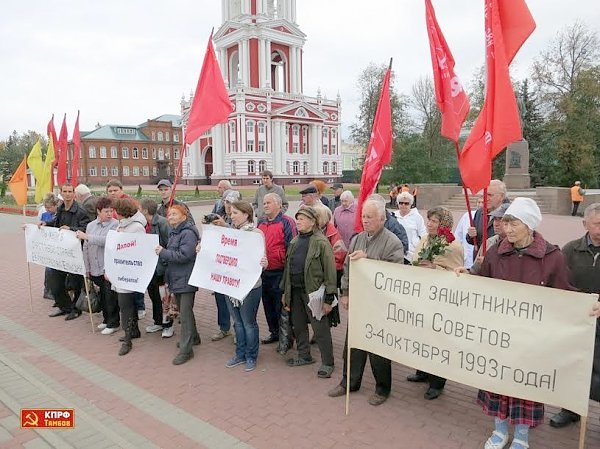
(379, 151)
(76, 150)
(508, 23)
(63, 144)
(451, 98)
(211, 104)
(51, 133)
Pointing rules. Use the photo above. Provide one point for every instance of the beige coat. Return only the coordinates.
(449, 261)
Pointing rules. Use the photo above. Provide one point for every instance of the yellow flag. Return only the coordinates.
(36, 165)
(48, 172)
(18, 183)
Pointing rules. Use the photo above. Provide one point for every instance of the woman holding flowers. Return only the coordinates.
(438, 249)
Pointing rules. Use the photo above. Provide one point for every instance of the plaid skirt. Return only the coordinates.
(517, 411)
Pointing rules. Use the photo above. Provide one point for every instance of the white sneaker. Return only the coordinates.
(141, 314)
(168, 332)
(153, 328)
(101, 326)
(109, 330)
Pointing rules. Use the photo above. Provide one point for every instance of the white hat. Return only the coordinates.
(526, 210)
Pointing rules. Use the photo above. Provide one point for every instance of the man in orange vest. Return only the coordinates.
(576, 196)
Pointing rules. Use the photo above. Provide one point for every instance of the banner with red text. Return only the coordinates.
(130, 260)
(228, 261)
(513, 339)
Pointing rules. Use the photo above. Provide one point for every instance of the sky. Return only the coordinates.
(126, 61)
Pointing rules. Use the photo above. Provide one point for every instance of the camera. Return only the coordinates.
(208, 219)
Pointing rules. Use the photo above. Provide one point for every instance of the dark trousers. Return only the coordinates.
(129, 317)
(138, 299)
(154, 293)
(189, 332)
(57, 283)
(271, 299)
(575, 207)
(434, 381)
(381, 367)
(301, 316)
(223, 315)
(109, 303)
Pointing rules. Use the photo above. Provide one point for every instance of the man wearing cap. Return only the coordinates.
(576, 196)
(583, 260)
(338, 189)
(310, 196)
(165, 188)
(499, 234)
(268, 186)
(219, 207)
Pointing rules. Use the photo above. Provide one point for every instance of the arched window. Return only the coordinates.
(334, 168)
(102, 155)
(92, 154)
(278, 72)
(295, 130)
(134, 153)
(250, 128)
(234, 69)
(233, 164)
(305, 168)
(160, 136)
(125, 153)
(262, 127)
(296, 167)
(325, 133)
(161, 154)
(262, 166)
(114, 153)
(168, 154)
(287, 167)
(326, 168)
(251, 167)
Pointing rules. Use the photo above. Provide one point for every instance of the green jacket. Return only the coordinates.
(319, 267)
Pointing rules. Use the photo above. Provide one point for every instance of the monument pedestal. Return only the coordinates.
(516, 175)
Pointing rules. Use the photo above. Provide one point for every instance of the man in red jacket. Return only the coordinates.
(279, 230)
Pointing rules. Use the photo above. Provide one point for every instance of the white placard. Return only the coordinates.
(228, 261)
(130, 259)
(54, 248)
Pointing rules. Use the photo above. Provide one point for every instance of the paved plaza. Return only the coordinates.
(143, 401)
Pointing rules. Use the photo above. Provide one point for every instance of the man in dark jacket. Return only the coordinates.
(165, 188)
(69, 215)
(583, 260)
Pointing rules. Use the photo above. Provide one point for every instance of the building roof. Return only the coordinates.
(128, 132)
(173, 118)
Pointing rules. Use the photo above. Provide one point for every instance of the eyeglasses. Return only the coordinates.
(402, 202)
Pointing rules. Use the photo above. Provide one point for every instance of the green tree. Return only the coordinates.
(14, 148)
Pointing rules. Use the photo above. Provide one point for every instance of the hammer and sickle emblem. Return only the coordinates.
(31, 419)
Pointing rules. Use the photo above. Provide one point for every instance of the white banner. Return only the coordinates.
(514, 339)
(228, 261)
(130, 259)
(54, 248)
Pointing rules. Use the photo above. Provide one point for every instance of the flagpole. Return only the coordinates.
(28, 273)
(485, 223)
(348, 362)
(582, 429)
(467, 200)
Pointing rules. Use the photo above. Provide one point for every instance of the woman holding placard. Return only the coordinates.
(244, 311)
(180, 256)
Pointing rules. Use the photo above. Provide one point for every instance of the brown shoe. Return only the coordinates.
(336, 392)
(377, 399)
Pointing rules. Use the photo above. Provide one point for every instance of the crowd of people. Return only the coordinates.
(308, 256)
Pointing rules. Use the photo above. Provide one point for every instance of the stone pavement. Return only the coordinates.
(143, 401)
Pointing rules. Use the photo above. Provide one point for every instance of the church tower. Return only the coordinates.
(274, 126)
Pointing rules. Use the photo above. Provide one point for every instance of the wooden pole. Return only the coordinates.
(582, 429)
(87, 293)
(348, 364)
(28, 272)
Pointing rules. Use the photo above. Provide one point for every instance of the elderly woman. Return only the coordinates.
(499, 234)
(244, 311)
(523, 256)
(412, 221)
(331, 233)
(180, 256)
(439, 228)
(133, 221)
(344, 216)
(310, 265)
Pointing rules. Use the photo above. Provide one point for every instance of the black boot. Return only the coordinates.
(126, 346)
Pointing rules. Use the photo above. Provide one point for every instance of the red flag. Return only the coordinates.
(76, 149)
(51, 133)
(508, 23)
(379, 151)
(451, 98)
(211, 104)
(63, 145)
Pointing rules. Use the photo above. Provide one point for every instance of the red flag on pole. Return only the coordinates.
(61, 175)
(508, 23)
(76, 150)
(211, 104)
(451, 98)
(379, 151)
(51, 132)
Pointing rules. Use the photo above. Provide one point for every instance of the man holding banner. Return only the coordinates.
(377, 243)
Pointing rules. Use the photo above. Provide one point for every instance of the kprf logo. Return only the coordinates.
(47, 417)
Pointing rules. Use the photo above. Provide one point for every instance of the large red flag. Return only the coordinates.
(63, 145)
(452, 100)
(211, 104)
(76, 150)
(379, 151)
(51, 132)
(508, 23)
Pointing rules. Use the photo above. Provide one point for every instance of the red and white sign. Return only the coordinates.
(47, 418)
(228, 261)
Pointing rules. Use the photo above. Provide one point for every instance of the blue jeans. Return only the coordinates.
(223, 315)
(245, 325)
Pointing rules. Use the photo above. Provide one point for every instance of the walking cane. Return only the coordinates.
(87, 293)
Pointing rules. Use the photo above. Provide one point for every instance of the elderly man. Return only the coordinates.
(85, 199)
(496, 195)
(583, 259)
(336, 201)
(343, 217)
(391, 223)
(310, 196)
(268, 186)
(165, 189)
(219, 207)
(376, 243)
(279, 230)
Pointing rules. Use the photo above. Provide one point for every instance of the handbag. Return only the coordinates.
(82, 303)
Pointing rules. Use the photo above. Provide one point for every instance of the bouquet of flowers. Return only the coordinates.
(436, 245)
